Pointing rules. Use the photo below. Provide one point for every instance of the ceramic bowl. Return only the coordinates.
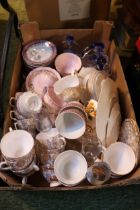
(70, 167)
(67, 63)
(71, 123)
(120, 157)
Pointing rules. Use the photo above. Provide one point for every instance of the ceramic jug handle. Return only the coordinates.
(12, 101)
(4, 167)
(12, 115)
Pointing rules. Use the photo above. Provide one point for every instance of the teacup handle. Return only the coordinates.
(102, 153)
(64, 141)
(16, 125)
(12, 101)
(11, 115)
(4, 167)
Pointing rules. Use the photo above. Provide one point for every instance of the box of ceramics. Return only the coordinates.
(70, 122)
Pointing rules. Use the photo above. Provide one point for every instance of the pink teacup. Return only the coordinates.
(67, 63)
(52, 101)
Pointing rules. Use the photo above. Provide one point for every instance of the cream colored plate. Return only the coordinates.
(106, 98)
(114, 124)
(98, 81)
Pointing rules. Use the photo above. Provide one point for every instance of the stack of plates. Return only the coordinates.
(39, 53)
(108, 116)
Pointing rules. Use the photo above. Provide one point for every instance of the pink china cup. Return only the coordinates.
(52, 101)
(67, 63)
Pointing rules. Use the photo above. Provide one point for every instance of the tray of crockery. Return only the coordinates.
(68, 128)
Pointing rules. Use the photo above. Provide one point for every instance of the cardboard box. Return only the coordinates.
(67, 13)
(100, 32)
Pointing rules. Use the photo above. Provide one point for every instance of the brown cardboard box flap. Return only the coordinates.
(46, 13)
(101, 32)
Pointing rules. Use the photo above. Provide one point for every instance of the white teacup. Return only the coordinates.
(120, 157)
(71, 123)
(17, 148)
(28, 103)
(70, 168)
(68, 88)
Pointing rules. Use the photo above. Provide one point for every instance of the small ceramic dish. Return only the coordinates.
(70, 167)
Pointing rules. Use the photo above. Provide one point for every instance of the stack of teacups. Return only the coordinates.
(18, 151)
(39, 53)
(49, 145)
(71, 120)
(26, 105)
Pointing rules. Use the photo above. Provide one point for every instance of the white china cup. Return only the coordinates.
(29, 103)
(17, 148)
(68, 88)
(71, 123)
(120, 157)
(70, 168)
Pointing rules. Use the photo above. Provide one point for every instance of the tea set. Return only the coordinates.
(69, 96)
